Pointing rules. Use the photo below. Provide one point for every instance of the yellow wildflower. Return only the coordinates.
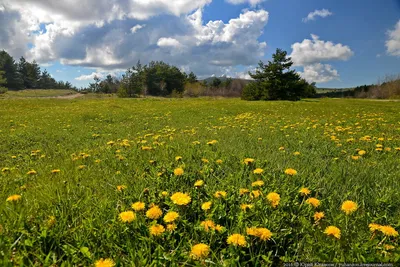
(180, 199)
(127, 216)
(248, 161)
(349, 207)
(236, 240)
(257, 183)
(14, 198)
(178, 171)
(333, 231)
(206, 205)
(120, 188)
(318, 216)
(388, 230)
(171, 216)
(199, 183)
(290, 171)
(156, 229)
(274, 199)
(154, 213)
(138, 206)
(200, 251)
(304, 191)
(220, 194)
(313, 201)
(104, 263)
(258, 171)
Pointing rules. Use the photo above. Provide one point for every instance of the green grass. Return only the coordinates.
(72, 136)
(37, 93)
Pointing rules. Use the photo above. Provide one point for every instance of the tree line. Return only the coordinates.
(26, 75)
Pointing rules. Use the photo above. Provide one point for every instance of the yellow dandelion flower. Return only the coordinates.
(156, 229)
(374, 227)
(55, 171)
(205, 160)
(154, 213)
(257, 183)
(81, 167)
(296, 153)
(121, 188)
(313, 201)
(207, 225)
(362, 152)
(332, 231)
(110, 143)
(206, 205)
(264, 234)
(248, 161)
(219, 161)
(178, 158)
(355, 157)
(290, 171)
(146, 148)
(281, 148)
(219, 228)
(255, 193)
(104, 263)
(138, 206)
(199, 183)
(389, 247)
(200, 251)
(171, 216)
(258, 171)
(318, 216)
(180, 199)
(212, 142)
(5, 169)
(243, 191)
(31, 172)
(252, 231)
(220, 194)
(196, 143)
(304, 191)
(171, 227)
(274, 199)
(236, 240)
(178, 171)
(13, 198)
(245, 207)
(164, 193)
(127, 216)
(388, 230)
(349, 207)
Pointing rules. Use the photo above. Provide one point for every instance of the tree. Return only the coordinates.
(216, 82)
(192, 78)
(10, 68)
(2, 82)
(276, 81)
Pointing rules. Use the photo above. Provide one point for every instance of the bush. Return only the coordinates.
(3, 90)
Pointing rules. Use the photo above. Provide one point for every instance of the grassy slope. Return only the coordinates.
(38, 93)
(86, 203)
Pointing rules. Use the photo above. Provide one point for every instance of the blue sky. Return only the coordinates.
(354, 42)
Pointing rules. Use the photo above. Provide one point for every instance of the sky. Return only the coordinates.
(335, 43)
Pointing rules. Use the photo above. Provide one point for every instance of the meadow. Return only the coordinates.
(198, 182)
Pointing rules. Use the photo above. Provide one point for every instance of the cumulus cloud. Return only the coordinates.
(90, 77)
(323, 13)
(310, 53)
(91, 34)
(137, 27)
(393, 41)
(315, 50)
(251, 2)
(319, 73)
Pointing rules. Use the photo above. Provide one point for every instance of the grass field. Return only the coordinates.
(70, 171)
(37, 93)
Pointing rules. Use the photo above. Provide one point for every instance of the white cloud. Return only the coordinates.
(319, 73)
(315, 50)
(393, 41)
(137, 27)
(168, 42)
(90, 77)
(323, 13)
(251, 2)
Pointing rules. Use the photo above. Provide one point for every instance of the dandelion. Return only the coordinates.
(206, 205)
(362, 152)
(219, 228)
(164, 193)
(258, 171)
(236, 240)
(200, 251)
(349, 207)
(281, 148)
(178, 172)
(388, 230)
(55, 171)
(219, 161)
(178, 158)
(248, 161)
(199, 183)
(332, 231)
(257, 183)
(374, 227)
(171, 216)
(296, 153)
(220, 194)
(146, 148)
(318, 216)
(13, 198)
(290, 171)
(110, 143)
(205, 161)
(255, 193)
(31, 172)
(389, 247)
(304, 191)
(245, 207)
(127, 216)
(156, 229)
(5, 169)
(355, 157)
(121, 188)
(207, 225)
(274, 199)
(104, 263)
(212, 142)
(243, 191)
(180, 199)
(313, 202)
(154, 213)
(171, 227)
(51, 221)
(138, 206)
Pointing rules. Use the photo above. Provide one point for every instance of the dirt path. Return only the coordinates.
(67, 96)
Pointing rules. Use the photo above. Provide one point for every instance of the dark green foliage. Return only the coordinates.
(10, 68)
(2, 81)
(276, 81)
(192, 78)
